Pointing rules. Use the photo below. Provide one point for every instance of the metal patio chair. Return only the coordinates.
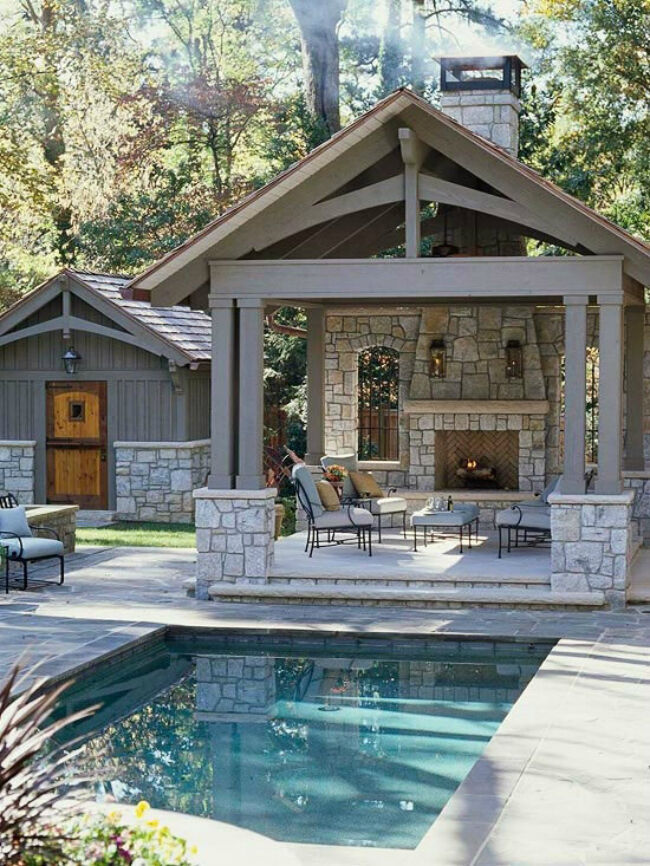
(347, 518)
(23, 543)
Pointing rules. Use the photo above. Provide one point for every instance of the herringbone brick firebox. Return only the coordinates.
(497, 449)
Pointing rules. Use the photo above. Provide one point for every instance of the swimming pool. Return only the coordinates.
(334, 741)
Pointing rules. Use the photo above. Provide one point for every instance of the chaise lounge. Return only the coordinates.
(532, 517)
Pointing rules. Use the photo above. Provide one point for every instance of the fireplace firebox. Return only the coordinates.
(477, 459)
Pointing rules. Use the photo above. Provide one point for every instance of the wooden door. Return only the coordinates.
(76, 443)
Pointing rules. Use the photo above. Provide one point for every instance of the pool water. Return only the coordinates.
(346, 743)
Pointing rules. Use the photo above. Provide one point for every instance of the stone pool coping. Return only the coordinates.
(564, 780)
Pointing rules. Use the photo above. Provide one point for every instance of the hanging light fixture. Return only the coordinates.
(445, 249)
(71, 360)
(514, 360)
(438, 359)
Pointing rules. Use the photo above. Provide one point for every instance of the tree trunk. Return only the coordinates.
(53, 141)
(390, 52)
(418, 47)
(318, 22)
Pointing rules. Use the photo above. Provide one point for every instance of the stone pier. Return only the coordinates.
(234, 536)
(593, 545)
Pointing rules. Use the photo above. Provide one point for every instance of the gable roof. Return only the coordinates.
(178, 332)
(187, 329)
(502, 171)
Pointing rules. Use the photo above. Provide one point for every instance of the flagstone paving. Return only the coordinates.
(564, 781)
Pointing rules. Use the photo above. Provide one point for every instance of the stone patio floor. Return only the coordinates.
(397, 561)
(564, 781)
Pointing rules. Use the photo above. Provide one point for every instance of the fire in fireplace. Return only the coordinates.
(477, 473)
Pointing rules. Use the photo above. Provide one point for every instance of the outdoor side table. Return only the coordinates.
(446, 522)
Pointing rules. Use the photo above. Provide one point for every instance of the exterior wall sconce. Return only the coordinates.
(438, 359)
(71, 361)
(514, 360)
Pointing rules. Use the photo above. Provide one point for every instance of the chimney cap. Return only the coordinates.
(499, 72)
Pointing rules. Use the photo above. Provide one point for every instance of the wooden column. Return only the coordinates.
(315, 385)
(223, 396)
(634, 339)
(250, 474)
(575, 392)
(610, 395)
(413, 153)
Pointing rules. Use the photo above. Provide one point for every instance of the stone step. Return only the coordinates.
(333, 593)
(432, 581)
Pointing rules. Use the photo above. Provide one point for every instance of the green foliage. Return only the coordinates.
(112, 840)
(30, 781)
(587, 122)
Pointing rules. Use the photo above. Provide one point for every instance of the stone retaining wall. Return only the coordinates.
(61, 518)
(155, 480)
(592, 545)
(234, 536)
(17, 469)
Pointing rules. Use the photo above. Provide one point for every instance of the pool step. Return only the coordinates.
(336, 593)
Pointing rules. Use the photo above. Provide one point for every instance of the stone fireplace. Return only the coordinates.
(477, 459)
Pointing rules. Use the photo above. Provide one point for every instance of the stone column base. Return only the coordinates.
(234, 536)
(591, 546)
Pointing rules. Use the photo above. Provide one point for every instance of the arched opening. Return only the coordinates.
(378, 431)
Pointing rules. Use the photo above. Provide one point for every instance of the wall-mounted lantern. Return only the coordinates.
(514, 360)
(438, 359)
(71, 361)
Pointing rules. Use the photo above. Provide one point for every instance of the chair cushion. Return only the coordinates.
(388, 505)
(524, 517)
(15, 520)
(302, 475)
(365, 485)
(328, 496)
(33, 548)
(344, 518)
(349, 461)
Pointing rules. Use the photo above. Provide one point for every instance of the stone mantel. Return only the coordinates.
(476, 407)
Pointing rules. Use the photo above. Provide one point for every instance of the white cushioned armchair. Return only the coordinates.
(347, 518)
(379, 506)
(22, 543)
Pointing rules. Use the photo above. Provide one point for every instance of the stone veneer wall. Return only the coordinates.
(476, 364)
(155, 480)
(639, 484)
(492, 114)
(346, 334)
(592, 546)
(17, 469)
(234, 536)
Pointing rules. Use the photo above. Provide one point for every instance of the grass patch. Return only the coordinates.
(126, 534)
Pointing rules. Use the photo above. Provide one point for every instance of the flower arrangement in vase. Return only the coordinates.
(335, 473)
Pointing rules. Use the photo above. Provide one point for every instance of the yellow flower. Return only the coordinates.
(141, 808)
(153, 823)
(193, 850)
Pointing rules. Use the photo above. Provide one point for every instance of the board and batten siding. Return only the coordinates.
(142, 404)
(198, 405)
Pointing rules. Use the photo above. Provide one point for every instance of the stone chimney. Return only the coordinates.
(483, 94)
